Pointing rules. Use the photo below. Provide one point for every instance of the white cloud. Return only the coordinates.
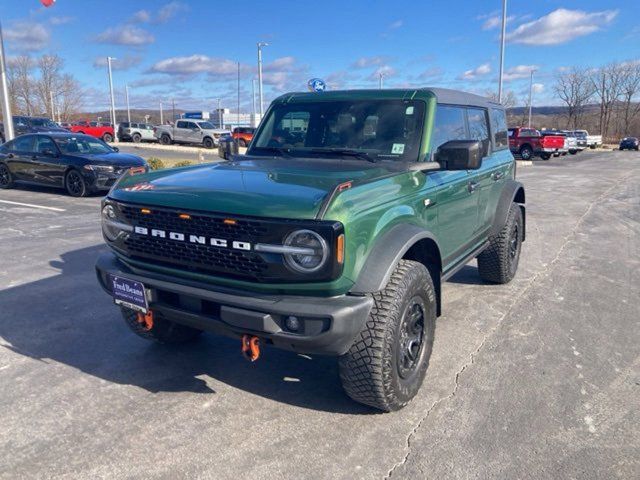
(27, 36)
(121, 63)
(195, 64)
(141, 16)
(126, 35)
(479, 71)
(366, 62)
(55, 21)
(496, 21)
(431, 73)
(538, 87)
(169, 11)
(384, 70)
(518, 72)
(561, 26)
(395, 25)
(283, 63)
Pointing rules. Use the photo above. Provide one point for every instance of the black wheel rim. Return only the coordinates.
(411, 338)
(74, 184)
(5, 177)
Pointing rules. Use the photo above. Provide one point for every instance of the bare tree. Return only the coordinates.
(508, 100)
(607, 83)
(630, 91)
(575, 89)
(22, 85)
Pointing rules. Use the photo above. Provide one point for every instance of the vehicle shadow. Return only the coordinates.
(467, 275)
(67, 318)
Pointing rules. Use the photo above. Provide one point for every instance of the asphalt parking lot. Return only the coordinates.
(536, 379)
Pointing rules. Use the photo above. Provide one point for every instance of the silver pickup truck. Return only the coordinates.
(199, 132)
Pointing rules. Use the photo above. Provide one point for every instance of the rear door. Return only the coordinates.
(19, 157)
(457, 202)
(48, 168)
(180, 132)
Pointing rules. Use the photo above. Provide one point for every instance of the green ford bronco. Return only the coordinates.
(332, 235)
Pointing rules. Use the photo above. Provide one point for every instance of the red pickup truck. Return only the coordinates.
(95, 129)
(529, 143)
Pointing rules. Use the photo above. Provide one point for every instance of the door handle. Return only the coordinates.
(472, 186)
(10, 155)
(497, 175)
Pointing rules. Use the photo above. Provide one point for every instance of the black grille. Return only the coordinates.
(220, 261)
(197, 257)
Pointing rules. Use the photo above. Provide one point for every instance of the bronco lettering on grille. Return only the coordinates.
(197, 239)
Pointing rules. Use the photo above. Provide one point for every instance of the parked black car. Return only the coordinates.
(22, 125)
(629, 143)
(81, 164)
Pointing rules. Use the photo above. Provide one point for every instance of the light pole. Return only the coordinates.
(381, 76)
(161, 117)
(4, 90)
(126, 91)
(113, 103)
(502, 39)
(530, 95)
(260, 45)
(253, 102)
(219, 115)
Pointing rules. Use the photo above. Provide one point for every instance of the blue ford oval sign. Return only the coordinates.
(316, 85)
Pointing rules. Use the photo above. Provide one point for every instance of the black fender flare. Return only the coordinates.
(388, 250)
(513, 191)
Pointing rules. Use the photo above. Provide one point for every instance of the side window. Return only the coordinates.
(449, 125)
(478, 127)
(45, 143)
(499, 123)
(182, 124)
(20, 122)
(23, 144)
(192, 125)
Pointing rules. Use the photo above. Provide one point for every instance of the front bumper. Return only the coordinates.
(328, 325)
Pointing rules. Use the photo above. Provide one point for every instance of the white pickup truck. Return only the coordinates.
(593, 141)
(199, 132)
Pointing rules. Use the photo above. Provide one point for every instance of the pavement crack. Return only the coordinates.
(530, 283)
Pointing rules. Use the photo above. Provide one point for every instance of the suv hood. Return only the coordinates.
(254, 186)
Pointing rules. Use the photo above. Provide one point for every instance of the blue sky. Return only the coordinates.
(188, 50)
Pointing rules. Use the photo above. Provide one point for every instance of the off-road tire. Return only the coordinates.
(107, 138)
(573, 152)
(208, 143)
(136, 137)
(526, 153)
(75, 184)
(370, 370)
(165, 139)
(6, 179)
(163, 330)
(545, 156)
(498, 263)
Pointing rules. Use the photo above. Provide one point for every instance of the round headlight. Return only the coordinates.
(316, 255)
(111, 226)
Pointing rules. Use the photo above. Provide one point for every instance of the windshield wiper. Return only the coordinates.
(347, 152)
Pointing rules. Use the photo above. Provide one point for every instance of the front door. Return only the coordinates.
(47, 167)
(20, 159)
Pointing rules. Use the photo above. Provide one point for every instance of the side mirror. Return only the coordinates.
(460, 155)
(115, 149)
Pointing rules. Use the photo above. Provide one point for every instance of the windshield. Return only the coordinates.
(43, 122)
(206, 125)
(373, 129)
(82, 145)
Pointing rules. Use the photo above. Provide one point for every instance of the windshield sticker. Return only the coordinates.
(409, 110)
(398, 148)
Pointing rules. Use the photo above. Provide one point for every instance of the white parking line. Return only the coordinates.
(34, 206)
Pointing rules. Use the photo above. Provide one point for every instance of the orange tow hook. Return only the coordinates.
(146, 319)
(250, 347)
